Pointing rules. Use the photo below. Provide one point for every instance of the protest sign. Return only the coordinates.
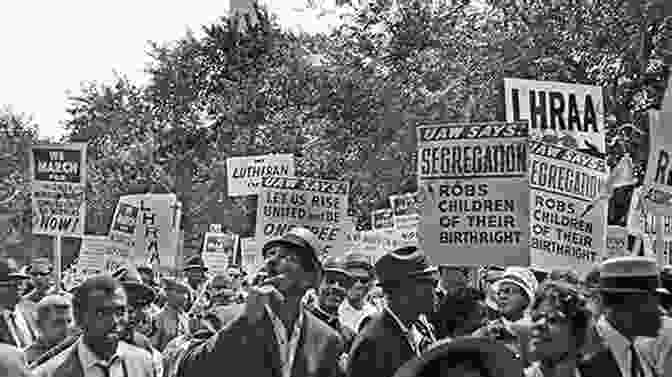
(617, 242)
(558, 108)
(382, 219)
(244, 173)
(252, 259)
(58, 186)
(476, 200)
(659, 167)
(564, 183)
(100, 254)
(319, 205)
(405, 216)
(375, 243)
(218, 250)
(150, 225)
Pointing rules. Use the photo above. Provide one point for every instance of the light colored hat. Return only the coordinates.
(523, 278)
(303, 239)
(629, 275)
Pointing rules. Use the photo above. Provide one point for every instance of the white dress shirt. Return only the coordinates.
(619, 346)
(351, 317)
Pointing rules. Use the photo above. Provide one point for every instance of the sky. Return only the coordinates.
(51, 47)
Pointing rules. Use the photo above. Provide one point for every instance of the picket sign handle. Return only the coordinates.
(58, 260)
(660, 246)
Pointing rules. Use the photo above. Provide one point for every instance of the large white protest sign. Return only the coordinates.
(558, 108)
(101, 254)
(150, 225)
(244, 173)
(218, 250)
(58, 186)
(476, 177)
(564, 232)
(319, 205)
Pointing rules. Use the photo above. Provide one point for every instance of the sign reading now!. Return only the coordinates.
(58, 186)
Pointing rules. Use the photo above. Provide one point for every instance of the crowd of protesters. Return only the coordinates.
(302, 315)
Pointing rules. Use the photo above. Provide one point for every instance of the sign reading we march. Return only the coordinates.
(58, 186)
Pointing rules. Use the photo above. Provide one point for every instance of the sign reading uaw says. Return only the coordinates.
(58, 186)
(477, 176)
(319, 205)
(564, 231)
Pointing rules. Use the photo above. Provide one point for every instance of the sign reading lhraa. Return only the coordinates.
(574, 109)
(476, 175)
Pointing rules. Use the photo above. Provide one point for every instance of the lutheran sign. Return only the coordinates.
(557, 108)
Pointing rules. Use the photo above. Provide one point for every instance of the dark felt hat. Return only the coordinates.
(137, 291)
(334, 264)
(301, 239)
(492, 356)
(629, 275)
(358, 264)
(195, 262)
(403, 265)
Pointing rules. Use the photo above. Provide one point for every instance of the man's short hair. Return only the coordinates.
(50, 303)
(80, 299)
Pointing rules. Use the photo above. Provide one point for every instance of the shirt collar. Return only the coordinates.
(89, 359)
(614, 339)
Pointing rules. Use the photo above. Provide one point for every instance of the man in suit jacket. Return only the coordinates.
(100, 309)
(629, 310)
(172, 320)
(273, 335)
(14, 329)
(396, 335)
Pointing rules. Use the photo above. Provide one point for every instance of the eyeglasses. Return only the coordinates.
(510, 291)
(335, 279)
(40, 274)
(362, 280)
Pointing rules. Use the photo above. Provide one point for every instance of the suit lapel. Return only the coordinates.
(272, 347)
(72, 366)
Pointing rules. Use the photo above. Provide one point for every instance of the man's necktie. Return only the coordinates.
(635, 363)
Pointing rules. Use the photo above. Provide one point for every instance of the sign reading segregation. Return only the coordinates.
(58, 186)
(563, 183)
(476, 174)
(319, 205)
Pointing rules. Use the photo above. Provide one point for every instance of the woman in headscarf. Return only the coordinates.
(560, 320)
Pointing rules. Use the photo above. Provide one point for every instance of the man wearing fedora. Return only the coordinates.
(14, 328)
(397, 335)
(629, 309)
(273, 334)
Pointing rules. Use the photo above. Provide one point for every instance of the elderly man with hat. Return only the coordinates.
(14, 327)
(273, 334)
(629, 310)
(356, 307)
(397, 334)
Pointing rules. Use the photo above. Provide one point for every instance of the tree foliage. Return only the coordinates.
(347, 103)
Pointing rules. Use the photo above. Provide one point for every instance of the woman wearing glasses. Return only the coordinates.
(560, 319)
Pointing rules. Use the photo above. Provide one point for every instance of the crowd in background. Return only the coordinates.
(303, 315)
